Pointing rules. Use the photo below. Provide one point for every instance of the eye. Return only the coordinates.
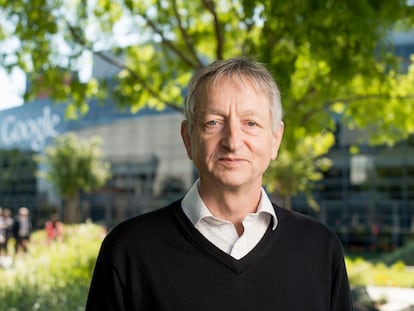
(251, 123)
(211, 123)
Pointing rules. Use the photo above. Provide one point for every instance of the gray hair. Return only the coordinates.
(243, 67)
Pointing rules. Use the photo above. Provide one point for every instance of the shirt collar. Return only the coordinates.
(195, 209)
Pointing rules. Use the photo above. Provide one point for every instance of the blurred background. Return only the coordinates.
(90, 113)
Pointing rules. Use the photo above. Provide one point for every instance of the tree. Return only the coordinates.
(74, 165)
(331, 59)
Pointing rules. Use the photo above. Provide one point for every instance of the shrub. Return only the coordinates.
(52, 276)
(362, 273)
(405, 254)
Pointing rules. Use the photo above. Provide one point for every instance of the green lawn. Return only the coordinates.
(363, 272)
(52, 277)
(388, 269)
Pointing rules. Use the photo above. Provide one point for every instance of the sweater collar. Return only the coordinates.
(195, 209)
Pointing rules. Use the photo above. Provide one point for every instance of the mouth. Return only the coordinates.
(231, 161)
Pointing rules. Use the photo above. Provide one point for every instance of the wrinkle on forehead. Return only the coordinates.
(237, 81)
(243, 79)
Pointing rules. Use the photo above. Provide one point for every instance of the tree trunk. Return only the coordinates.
(76, 207)
(66, 210)
(72, 209)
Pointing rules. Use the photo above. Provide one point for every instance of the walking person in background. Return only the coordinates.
(8, 218)
(22, 227)
(3, 228)
(225, 245)
(6, 225)
(54, 229)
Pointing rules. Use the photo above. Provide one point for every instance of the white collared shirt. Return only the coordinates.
(222, 233)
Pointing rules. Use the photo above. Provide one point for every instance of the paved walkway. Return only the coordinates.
(398, 299)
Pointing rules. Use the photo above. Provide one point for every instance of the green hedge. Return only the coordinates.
(362, 272)
(386, 269)
(404, 254)
(52, 276)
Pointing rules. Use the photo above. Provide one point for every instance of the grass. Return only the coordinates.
(362, 272)
(52, 277)
(387, 269)
(56, 276)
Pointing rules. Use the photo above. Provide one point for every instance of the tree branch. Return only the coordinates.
(122, 65)
(368, 97)
(169, 44)
(327, 104)
(187, 39)
(138, 78)
(210, 6)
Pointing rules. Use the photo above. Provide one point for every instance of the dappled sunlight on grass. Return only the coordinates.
(382, 271)
(52, 276)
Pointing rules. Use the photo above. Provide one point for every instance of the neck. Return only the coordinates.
(231, 204)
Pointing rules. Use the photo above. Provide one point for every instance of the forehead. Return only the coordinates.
(239, 80)
(220, 85)
(217, 96)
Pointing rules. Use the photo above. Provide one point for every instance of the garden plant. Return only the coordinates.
(52, 276)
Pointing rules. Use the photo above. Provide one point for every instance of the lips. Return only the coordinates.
(231, 161)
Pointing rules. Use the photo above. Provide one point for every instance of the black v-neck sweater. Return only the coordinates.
(159, 261)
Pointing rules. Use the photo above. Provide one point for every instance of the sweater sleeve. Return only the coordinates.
(341, 299)
(106, 292)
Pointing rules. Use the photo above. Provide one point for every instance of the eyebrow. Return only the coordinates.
(218, 112)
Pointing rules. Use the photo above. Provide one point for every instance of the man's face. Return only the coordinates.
(232, 141)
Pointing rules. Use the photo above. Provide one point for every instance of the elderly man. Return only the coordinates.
(225, 245)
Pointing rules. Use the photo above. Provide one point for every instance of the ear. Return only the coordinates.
(277, 139)
(185, 135)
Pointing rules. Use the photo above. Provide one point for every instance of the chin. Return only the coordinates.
(233, 182)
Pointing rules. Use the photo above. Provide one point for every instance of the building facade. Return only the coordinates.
(148, 162)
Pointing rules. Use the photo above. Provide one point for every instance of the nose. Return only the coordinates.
(232, 136)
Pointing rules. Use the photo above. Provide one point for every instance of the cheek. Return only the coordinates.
(203, 149)
(264, 148)
(196, 146)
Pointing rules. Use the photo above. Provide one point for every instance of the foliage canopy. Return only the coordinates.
(332, 59)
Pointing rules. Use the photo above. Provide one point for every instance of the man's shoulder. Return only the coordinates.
(143, 226)
(302, 224)
(299, 229)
